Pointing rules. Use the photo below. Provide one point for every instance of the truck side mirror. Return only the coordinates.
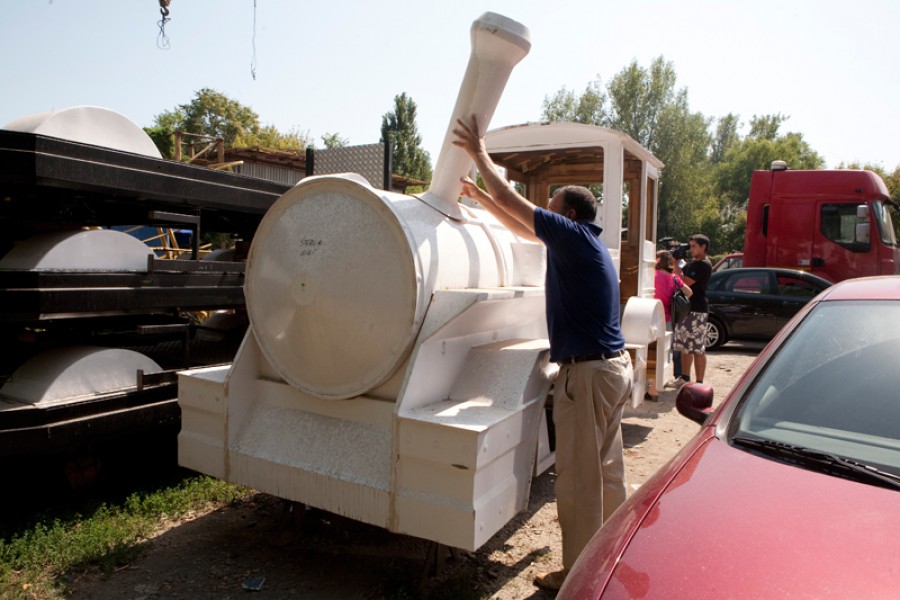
(862, 233)
(862, 212)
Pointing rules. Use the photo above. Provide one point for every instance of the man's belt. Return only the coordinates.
(587, 357)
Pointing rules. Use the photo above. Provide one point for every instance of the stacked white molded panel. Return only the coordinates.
(79, 250)
(75, 373)
(89, 125)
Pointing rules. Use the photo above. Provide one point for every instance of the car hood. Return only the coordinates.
(733, 524)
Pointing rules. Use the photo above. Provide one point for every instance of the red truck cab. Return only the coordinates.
(833, 223)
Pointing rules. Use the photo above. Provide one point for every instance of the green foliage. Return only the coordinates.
(756, 151)
(163, 139)
(34, 561)
(726, 137)
(588, 108)
(269, 137)
(892, 180)
(705, 183)
(752, 153)
(334, 140)
(399, 128)
(766, 127)
(215, 114)
(686, 187)
(638, 97)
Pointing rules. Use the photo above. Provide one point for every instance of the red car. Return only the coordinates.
(791, 488)
(734, 260)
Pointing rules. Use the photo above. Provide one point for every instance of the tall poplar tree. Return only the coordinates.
(399, 128)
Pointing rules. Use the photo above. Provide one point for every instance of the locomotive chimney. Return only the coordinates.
(498, 44)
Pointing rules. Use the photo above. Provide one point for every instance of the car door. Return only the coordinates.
(794, 291)
(745, 300)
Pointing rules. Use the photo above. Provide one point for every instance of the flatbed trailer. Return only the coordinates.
(50, 185)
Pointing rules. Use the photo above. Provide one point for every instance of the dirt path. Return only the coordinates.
(316, 555)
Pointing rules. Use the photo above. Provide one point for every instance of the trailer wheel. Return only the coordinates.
(715, 334)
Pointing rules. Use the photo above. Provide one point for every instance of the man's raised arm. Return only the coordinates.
(504, 202)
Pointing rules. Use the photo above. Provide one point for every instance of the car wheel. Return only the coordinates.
(715, 334)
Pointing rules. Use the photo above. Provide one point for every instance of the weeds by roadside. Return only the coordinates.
(35, 562)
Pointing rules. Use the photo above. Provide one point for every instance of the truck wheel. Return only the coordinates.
(715, 334)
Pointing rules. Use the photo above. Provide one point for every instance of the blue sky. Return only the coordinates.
(335, 67)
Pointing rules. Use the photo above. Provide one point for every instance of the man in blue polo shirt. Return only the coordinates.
(595, 376)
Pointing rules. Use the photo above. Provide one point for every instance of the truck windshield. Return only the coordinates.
(885, 223)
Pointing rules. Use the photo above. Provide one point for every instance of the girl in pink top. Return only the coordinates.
(666, 282)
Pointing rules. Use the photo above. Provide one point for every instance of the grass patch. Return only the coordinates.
(35, 561)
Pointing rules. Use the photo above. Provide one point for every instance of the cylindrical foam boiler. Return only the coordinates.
(340, 274)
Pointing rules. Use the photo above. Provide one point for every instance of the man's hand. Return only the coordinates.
(471, 190)
(468, 138)
(501, 199)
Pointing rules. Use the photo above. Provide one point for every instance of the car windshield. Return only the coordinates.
(833, 387)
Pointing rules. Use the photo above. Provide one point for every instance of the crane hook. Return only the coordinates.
(162, 40)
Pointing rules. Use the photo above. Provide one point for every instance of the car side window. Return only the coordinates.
(748, 283)
(796, 287)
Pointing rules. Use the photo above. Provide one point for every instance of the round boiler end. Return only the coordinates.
(332, 287)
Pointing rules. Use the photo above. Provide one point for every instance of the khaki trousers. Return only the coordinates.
(588, 401)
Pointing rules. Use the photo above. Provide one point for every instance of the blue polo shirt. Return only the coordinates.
(581, 288)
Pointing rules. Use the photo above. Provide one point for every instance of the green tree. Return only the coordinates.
(687, 204)
(757, 150)
(214, 114)
(269, 137)
(334, 140)
(766, 127)
(161, 132)
(645, 104)
(892, 180)
(588, 108)
(638, 97)
(399, 128)
(726, 136)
